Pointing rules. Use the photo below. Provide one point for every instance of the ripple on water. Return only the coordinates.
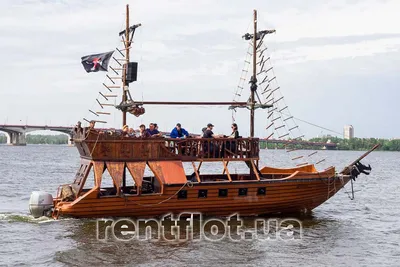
(364, 231)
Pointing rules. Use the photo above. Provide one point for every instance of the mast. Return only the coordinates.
(253, 81)
(125, 85)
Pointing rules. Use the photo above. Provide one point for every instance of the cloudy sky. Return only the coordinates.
(336, 62)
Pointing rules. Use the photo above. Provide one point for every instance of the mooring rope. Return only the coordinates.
(98, 135)
(343, 185)
(328, 183)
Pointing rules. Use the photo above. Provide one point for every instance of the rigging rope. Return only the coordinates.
(287, 126)
(95, 103)
(310, 123)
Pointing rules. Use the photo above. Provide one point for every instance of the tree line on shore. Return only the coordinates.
(60, 139)
(361, 143)
(342, 144)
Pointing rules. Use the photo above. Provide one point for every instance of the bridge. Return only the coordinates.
(16, 134)
(300, 142)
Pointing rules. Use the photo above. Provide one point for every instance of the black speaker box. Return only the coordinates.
(131, 72)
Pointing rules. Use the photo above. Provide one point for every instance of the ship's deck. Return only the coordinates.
(100, 145)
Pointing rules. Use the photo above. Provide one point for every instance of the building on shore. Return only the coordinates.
(348, 132)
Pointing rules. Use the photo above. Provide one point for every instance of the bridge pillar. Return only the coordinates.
(16, 139)
(8, 135)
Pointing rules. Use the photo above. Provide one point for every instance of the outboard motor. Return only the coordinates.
(40, 203)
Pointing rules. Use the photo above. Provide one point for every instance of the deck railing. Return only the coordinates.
(98, 145)
(214, 147)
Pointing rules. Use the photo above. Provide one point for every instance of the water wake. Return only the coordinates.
(27, 218)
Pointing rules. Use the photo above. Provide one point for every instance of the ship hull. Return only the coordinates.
(299, 195)
(172, 190)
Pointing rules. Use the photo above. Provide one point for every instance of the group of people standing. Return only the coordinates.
(208, 133)
(152, 131)
(177, 131)
(218, 149)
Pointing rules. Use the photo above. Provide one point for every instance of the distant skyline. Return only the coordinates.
(336, 62)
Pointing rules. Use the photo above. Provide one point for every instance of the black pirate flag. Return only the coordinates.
(97, 62)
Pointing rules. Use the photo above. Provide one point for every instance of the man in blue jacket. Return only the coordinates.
(179, 132)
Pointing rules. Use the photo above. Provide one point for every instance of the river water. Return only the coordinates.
(341, 232)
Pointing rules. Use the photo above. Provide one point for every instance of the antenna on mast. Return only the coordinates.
(253, 80)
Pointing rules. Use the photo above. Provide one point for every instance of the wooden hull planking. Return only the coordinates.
(298, 195)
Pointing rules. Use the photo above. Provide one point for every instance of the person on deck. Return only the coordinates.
(208, 133)
(230, 146)
(131, 133)
(125, 130)
(153, 131)
(235, 132)
(210, 147)
(179, 132)
(92, 123)
(78, 129)
(142, 131)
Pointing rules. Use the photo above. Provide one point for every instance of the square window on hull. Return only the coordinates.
(182, 194)
(203, 193)
(261, 191)
(242, 191)
(223, 192)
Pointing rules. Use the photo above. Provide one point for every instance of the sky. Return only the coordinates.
(336, 62)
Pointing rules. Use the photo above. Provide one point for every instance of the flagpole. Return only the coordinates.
(124, 83)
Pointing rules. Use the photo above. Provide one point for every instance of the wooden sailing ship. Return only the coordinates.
(169, 189)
